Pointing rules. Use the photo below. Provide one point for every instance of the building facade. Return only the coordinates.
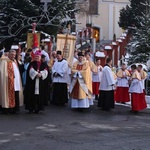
(101, 15)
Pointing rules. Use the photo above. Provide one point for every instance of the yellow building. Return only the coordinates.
(102, 15)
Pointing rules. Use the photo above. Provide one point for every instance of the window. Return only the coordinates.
(93, 7)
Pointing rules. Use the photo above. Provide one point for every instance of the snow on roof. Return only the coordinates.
(22, 42)
(108, 47)
(47, 40)
(119, 40)
(114, 43)
(122, 37)
(100, 54)
(124, 34)
(73, 33)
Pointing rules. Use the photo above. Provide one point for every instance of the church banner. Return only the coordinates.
(66, 44)
(30, 40)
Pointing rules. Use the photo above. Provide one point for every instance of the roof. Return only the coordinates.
(100, 54)
(86, 45)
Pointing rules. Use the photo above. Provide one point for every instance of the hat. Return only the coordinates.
(43, 56)
(38, 53)
(59, 52)
(80, 54)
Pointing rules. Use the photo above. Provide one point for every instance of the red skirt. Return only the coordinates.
(138, 101)
(122, 94)
(95, 86)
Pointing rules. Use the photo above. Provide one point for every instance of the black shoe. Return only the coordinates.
(133, 111)
(96, 97)
(6, 112)
(106, 109)
(123, 103)
(30, 111)
(13, 112)
(36, 111)
(80, 109)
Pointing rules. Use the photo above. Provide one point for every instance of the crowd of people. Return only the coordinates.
(35, 80)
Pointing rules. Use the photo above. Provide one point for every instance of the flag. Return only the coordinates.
(66, 44)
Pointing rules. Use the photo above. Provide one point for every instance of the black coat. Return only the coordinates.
(32, 101)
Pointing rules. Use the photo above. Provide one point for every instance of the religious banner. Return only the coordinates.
(30, 39)
(66, 44)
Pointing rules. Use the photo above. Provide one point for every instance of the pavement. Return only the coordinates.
(61, 128)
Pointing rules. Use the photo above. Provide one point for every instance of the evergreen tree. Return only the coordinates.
(139, 46)
(131, 16)
(136, 18)
(15, 14)
(12, 13)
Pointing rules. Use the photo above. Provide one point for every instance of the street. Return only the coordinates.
(60, 128)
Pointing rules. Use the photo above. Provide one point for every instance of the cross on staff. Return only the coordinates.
(46, 3)
(65, 49)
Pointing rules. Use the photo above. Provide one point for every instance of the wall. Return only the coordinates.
(107, 18)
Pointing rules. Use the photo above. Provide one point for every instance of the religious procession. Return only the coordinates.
(39, 74)
(32, 79)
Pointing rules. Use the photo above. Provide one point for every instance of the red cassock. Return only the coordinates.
(138, 101)
(122, 94)
(95, 86)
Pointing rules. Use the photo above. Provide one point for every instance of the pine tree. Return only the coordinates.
(139, 46)
(131, 16)
(14, 16)
(136, 18)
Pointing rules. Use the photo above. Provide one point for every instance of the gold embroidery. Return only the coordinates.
(11, 90)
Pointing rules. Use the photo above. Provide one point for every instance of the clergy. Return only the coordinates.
(143, 75)
(11, 97)
(136, 89)
(122, 91)
(34, 93)
(107, 86)
(96, 78)
(81, 85)
(60, 80)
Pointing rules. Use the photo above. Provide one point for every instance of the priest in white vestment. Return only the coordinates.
(60, 81)
(107, 86)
